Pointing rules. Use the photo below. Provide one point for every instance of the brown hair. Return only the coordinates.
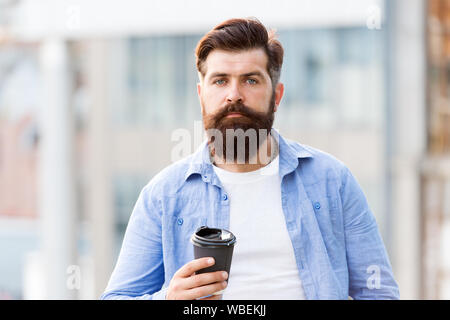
(242, 34)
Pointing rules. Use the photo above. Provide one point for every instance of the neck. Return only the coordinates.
(271, 150)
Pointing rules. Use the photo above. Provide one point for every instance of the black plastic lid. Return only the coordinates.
(205, 236)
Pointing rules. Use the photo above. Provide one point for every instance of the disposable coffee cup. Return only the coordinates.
(216, 243)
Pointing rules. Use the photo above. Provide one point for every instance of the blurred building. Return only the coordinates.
(90, 101)
(435, 219)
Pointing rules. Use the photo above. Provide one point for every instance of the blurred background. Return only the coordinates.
(91, 93)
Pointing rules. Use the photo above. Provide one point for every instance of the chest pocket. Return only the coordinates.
(184, 216)
(328, 216)
(329, 219)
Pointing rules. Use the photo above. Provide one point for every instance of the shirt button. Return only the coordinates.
(180, 221)
(317, 205)
(224, 197)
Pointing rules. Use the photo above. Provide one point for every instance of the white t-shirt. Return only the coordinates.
(263, 265)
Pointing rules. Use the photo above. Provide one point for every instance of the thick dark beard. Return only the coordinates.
(225, 135)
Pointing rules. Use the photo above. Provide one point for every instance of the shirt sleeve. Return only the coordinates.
(139, 271)
(370, 272)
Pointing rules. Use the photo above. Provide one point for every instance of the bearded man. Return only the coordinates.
(303, 225)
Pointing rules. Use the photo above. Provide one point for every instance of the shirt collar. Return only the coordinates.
(290, 152)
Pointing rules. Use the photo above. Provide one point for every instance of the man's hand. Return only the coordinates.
(186, 285)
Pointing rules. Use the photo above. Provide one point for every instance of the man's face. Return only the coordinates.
(236, 93)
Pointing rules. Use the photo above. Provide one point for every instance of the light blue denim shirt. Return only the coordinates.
(337, 245)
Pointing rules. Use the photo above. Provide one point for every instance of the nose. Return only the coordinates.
(234, 94)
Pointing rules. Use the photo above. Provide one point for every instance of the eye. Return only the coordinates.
(251, 81)
(219, 82)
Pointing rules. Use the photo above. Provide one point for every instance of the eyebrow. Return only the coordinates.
(248, 74)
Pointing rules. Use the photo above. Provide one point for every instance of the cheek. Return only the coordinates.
(212, 99)
(259, 99)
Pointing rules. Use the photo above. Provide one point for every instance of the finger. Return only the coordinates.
(203, 291)
(204, 279)
(213, 297)
(189, 268)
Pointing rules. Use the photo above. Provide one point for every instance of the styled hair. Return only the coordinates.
(242, 34)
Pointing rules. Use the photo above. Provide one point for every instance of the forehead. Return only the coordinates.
(236, 63)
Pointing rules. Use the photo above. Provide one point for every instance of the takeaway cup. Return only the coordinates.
(216, 243)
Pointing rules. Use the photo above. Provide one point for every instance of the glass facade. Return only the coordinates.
(160, 82)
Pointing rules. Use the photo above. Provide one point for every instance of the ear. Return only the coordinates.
(199, 89)
(279, 91)
(199, 92)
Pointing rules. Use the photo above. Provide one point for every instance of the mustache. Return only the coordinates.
(237, 107)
